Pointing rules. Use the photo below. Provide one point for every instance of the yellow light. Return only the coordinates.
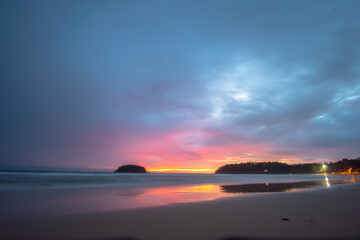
(203, 170)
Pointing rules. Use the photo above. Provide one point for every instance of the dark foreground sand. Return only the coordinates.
(332, 213)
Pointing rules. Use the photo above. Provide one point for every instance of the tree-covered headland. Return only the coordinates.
(345, 166)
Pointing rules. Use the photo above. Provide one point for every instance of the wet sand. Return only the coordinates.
(325, 213)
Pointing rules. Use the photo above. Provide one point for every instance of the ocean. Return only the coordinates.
(30, 180)
(44, 194)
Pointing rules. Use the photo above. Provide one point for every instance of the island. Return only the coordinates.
(345, 166)
(130, 169)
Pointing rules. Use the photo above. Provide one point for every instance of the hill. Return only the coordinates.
(344, 166)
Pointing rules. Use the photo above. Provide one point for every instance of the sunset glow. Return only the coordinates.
(182, 170)
(178, 87)
(132, 119)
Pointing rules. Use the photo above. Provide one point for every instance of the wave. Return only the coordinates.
(17, 180)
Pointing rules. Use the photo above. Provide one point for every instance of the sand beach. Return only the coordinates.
(320, 213)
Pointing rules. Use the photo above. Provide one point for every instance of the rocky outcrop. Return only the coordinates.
(130, 169)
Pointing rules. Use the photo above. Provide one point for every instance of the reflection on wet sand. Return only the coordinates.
(353, 179)
(78, 201)
(270, 187)
(281, 187)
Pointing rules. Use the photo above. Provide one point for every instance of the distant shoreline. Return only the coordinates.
(344, 166)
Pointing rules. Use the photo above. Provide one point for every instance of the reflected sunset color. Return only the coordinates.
(43, 203)
(77, 201)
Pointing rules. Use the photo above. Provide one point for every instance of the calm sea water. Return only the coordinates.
(16, 180)
(47, 194)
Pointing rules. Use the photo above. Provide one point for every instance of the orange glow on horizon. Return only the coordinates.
(183, 170)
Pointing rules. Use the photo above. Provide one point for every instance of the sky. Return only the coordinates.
(189, 85)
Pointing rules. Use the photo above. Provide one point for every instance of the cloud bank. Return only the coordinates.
(98, 84)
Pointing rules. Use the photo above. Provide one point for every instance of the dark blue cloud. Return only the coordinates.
(82, 81)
